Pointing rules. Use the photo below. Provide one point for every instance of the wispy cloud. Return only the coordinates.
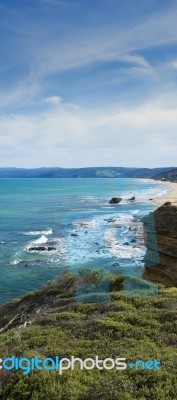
(22, 94)
(47, 51)
(102, 44)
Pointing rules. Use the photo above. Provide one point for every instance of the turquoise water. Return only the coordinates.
(74, 217)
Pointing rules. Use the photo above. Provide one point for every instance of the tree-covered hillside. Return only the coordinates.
(90, 172)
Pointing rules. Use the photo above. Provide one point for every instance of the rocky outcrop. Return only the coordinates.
(42, 248)
(160, 232)
(115, 200)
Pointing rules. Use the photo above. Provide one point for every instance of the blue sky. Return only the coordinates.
(88, 83)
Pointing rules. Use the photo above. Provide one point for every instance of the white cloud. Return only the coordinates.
(54, 100)
(173, 64)
(65, 136)
(68, 135)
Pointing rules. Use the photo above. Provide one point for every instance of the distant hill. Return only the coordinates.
(90, 172)
(167, 176)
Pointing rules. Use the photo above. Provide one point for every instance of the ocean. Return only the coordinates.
(48, 225)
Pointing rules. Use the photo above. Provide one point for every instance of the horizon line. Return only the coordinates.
(33, 168)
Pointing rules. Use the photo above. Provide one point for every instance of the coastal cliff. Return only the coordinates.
(160, 232)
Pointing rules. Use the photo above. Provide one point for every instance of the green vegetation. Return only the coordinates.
(170, 175)
(132, 324)
(107, 174)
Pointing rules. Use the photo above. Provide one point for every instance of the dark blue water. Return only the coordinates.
(75, 219)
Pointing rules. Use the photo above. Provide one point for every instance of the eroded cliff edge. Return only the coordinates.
(160, 232)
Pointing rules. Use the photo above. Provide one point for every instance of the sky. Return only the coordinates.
(88, 83)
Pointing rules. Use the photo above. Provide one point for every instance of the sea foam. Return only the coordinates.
(34, 233)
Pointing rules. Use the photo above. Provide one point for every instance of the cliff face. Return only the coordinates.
(160, 231)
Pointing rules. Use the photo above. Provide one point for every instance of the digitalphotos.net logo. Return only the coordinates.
(27, 365)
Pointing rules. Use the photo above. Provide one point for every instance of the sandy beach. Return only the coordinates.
(170, 196)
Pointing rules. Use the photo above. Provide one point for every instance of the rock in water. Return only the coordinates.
(132, 198)
(115, 200)
(39, 248)
(42, 248)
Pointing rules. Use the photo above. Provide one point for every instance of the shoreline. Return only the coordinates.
(170, 196)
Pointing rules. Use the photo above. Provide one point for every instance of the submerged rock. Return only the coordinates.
(116, 264)
(132, 198)
(74, 234)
